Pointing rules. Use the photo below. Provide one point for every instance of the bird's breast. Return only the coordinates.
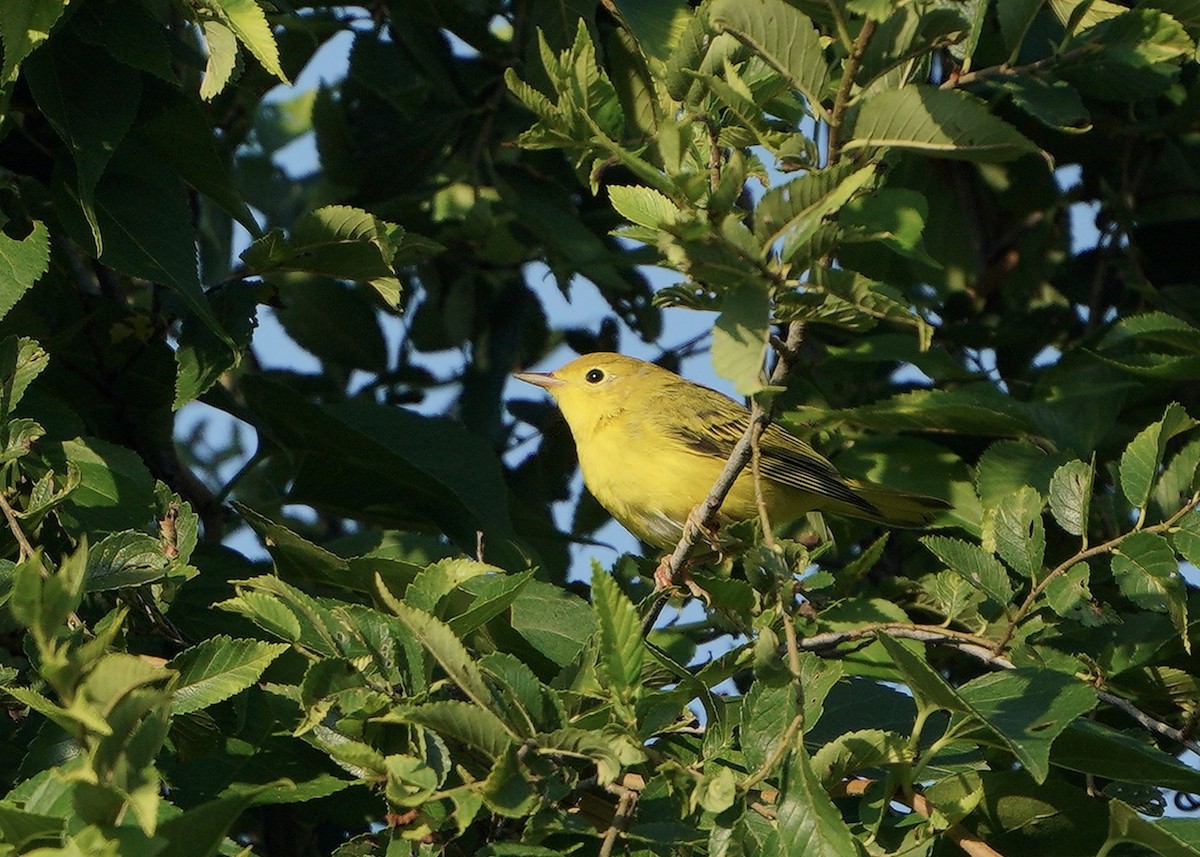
(645, 479)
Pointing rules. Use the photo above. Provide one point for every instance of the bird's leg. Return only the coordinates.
(709, 531)
(663, 579)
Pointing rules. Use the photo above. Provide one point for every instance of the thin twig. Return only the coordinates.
(10, 515)
(781, 747)
(620, 818)
(1079, 557)
(1006, 70)
(839, 23)
(842, 99)
(760, 500)
(760, 417)
(793, 651)
(26, 551)
(981, 650)
(918, 803)
(1147, 722)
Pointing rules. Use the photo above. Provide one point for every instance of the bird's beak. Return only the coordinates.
(539, 379)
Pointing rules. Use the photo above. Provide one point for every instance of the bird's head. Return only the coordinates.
(595, 385)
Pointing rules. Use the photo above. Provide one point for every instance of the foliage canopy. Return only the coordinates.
(887, 193)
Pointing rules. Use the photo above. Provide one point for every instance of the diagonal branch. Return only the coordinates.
(760, 417)
(14, 525)
(981, 650)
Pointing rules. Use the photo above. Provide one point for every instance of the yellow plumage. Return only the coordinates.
(651, 444)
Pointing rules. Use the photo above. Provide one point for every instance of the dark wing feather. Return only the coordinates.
(720, 423)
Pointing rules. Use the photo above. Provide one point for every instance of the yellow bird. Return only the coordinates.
(651, 444)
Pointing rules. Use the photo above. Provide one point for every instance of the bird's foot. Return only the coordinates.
(663, 579)
(709, 531)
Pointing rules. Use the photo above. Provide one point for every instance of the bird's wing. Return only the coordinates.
(719, 423)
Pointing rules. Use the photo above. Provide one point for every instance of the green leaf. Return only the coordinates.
(182, 137)
(857, 751)
(934, 122)
(968, 410)
(1141, 459)
(459, 721)
(70, 719)
(390, 465)
(446, 649)
(1015, 18)
(202, 356)
(436, 581)
(493, 596)
(220, 46)
(91, 102)
(1091, 747)
(784, 37)
(808, 822)
(126, 559)
(1125, 825)
(410, 781)
(766, 712)
(847, 299)
(1028, 709)
(788, 216)
(289, 613)
(24, 26)
(1180, 478)
(20, 829)
(643, 206)
(1008, 465)
(22, 262)
(1146, 570)
(143, 213)
(217, 669)
(909, 32)
(130, 33)
(929, 689)
(335, 241)
(716, 791)
(247, 20)
(1014, 529)
(598, 746)
(975, 565)
(336, 322)
(200, 831)
(620, 635)
(740, 336)
(1069, 596)
(1138, 56)
(1186, 538)
(115, 491)
(1071, 496)
(296, 558)
(1055, 103)
(21, 361)
(556, 623)
(656, 26)
(893, 217)
(508, 790)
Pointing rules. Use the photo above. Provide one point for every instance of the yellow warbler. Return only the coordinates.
(651, 444)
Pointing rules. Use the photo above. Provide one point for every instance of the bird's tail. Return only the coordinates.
(895, 507)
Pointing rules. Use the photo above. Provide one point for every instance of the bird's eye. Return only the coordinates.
(594, 376)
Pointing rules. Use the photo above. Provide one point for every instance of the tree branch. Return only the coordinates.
(1079, 557)
(981, 650)
(842, 99)
(1006, 70)
(10, 515)
(918, 803)
(760, 417)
